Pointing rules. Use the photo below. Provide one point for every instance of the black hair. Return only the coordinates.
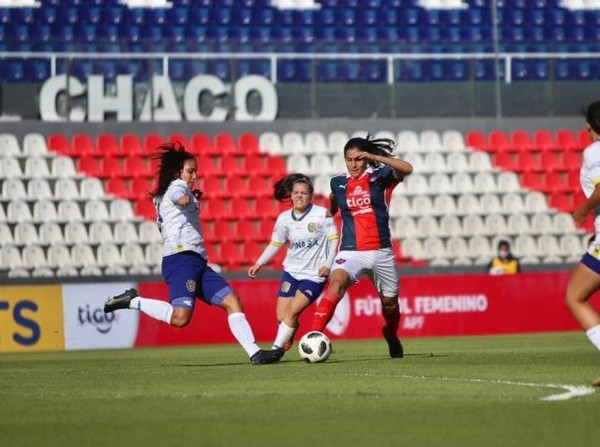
(172, 157)
(378, 146)
(282, 190)
(503, 243)
(592, 116)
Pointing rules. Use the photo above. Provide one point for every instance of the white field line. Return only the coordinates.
(567, 391)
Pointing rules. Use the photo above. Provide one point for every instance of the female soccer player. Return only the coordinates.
(363, 196)
(312, 237)
(585, 278)
(184, 264)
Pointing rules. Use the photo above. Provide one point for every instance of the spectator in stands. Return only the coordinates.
(585, 278)
(504, 263)
(184, 264)
(312, 237)
(362, 196)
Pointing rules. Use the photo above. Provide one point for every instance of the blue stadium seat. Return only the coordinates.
(284, 17)
(37, 70)
(13, 71)
(24, 16)
(304, 17)
(456, 70)
(4, 16)
(177, 16)
(68, 15)
(135, 16)
(241, 16)
(155, 16)
(111, 15)
(263, 16)
(220, 68)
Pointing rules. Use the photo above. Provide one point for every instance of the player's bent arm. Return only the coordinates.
(593, 201)
(333, 206)
(401, 168)
(265, 257)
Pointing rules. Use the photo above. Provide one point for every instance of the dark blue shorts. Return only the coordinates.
(189, 277)
(591, 262)
(289, 286)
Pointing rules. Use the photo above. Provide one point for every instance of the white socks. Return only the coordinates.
(241, 330)
(593, 334)
(159, 310)
(284, 334)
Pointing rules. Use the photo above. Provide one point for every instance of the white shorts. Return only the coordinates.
(379, 265)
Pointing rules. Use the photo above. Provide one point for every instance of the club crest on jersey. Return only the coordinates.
(285, 286)
(340, 261)
(312, 227)
(190, 284)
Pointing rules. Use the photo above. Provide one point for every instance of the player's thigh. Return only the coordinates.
(582, 284)
(385, 274)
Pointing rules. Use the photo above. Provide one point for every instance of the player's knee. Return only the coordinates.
(180, 320)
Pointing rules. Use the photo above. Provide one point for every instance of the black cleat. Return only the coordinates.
(121, 301)
(394, 345)
(278, 353)
(264, 357)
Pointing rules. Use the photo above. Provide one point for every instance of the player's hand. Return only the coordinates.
(579, 215)
(252, 271)
(324, 272)
(184, 201)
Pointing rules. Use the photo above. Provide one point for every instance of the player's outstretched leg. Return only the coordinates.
(394, 345)
(121, 301)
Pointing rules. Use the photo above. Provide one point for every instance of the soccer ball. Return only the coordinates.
(314, 347)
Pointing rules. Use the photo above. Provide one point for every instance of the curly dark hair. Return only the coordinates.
(378, 146)
(172, 157)
(282, 190)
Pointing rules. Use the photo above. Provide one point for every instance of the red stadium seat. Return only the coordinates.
(477, 140)
(276, 166)
(555, 182)
(135, 167)
(60, 144)
(248, 144)
(214, 187)
(267, 207)
(151, 142)
(255, 165)
(246, 230)
(526, 161)
(498, 141)
(549, 162)
(565, 140)
(231, 166)
(129, 144)
(117, 187)
(110, 167)
(237, 187)
(571, 160)
(520, 141)
(140, 188)
(252, 251)
(232, 255)
(201, 144)
(106, 144)
(543, 141)
(260, 186)
(82, 144)
(561, 200)
(532, 180)
(145, 208)
(214, 209)
(88, 165)
(225, 143)
(504, 160)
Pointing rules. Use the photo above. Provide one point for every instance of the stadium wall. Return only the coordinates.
(50, 317)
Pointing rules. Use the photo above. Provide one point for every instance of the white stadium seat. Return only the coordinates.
(45, 211)
(315, 143)
(336, 141)
(453, 140)
(34, 145)
(125, 232)
(39, 189)
(270, 142)
(435, 162)
(62, 167)
(408, 141)
(25, 233)
(36, 167)
(100, 232)
(430, 141)
(428, 226)
(18, 211)
(69, 211)
(91, 188)
(9, 145)
(51, 233)
(14, 189)
(66, 189)
(76, 233)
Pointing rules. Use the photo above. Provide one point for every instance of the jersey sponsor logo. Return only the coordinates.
(190, 284)
(340, 261)
(296, 245)
(187, 302)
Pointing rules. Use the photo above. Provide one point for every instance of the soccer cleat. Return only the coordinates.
(394, 345)
(278, 353)
(264, 357)
(121, 301)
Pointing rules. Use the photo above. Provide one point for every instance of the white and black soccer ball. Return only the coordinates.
(314, 347)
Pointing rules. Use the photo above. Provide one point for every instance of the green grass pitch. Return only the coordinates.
(454, 391)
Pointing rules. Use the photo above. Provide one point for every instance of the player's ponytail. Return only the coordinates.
(282, 190)
(384, 147)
